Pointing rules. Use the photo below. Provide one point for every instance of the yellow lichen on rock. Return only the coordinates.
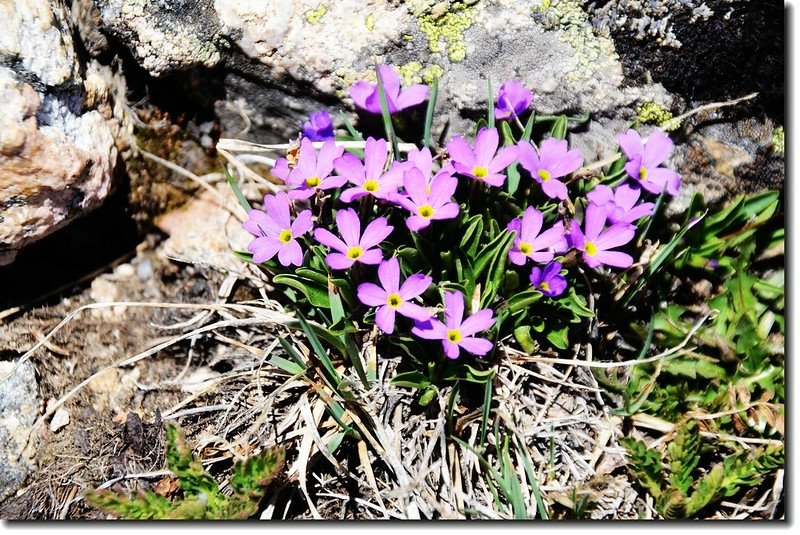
(313, 16)
(444, 24)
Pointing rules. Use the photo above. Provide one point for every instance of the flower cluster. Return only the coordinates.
(354, 203)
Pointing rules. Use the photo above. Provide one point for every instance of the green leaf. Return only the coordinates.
(251, 477)
(315, 292)
(236, 191)
(559, 130)
(490, 105)
(472, 235)
(645, 465)
(522, 334)
(500, 245)
(684, 456)
(386, 116)
(427, 396)
(412, 379)
(426, 136)
(512, 184)
(558, 337)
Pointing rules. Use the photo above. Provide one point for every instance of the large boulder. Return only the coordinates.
(59, 124)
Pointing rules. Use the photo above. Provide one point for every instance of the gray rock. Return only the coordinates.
(19, 407)
(60, 124)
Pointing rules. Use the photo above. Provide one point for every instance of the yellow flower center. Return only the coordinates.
(525, 247)
(371, 186)
(590, 248)
(355, 253)
(426, 211)
(480, 172)
(394, 300)
(285, 236)
(544, 286)
(544, 174)
(642, 172)
(312, 181)
(454, 335)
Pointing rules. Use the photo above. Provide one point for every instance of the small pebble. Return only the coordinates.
(144, 270)
(60, 420)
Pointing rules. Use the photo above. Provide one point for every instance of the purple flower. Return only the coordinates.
(319, 126)
(369, 178)
(512, 100)
(529, 243)
(620, 203)
(644, 158)
(481, 163)
(355, 247)
(427, 201)
(275, 232)
(393, 297)
(312, 171)
(552, 162)
(455, 333)
(549, 280)
(367, 97)
(596, 242)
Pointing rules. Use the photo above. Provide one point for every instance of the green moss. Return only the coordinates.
(652, 113)
(314, 15)
(544, 6)
(778, 140)
(409, 72)
(369, 22)
(444, 24)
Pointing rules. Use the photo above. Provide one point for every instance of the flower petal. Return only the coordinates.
(371, 257)
(349, 166)
(453, 309)
(339, 261)
(446, 211)
(442, 189)
(460, 151)
(375, 153)
(555, 189)
(327, 155)
(480, 321)
(389, 275)
(349, 226)
(476, 346)
(601, 194)
(413, 311)
(416, 223)
(570, 163)
(528, 157)
(504, 158)
(384, 319)
(615, 236)
(375, 233)
(486, 145)
(277, 207)
(411, 96)
(431, 329)
(372, 295)
(363, 95)
(594, 220)
(613, 259)
(263, 249)
(290, 254)
(531, 224)
(657, 149)
(450, 349)
(631, 144)
(414, 285)
(302, 223)
(327, 238)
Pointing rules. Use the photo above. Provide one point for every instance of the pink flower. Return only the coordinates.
(530, 243)
(275, 232)
(454, 333)
(369, 178)
(552, 162)
(512, 100)
(644, 158)
(313, 171)
(355, 247)
(549, 280)
(595, 243)
(620, 203)
(367, 97)
(392, 297)
(427, 202)
(481, 163)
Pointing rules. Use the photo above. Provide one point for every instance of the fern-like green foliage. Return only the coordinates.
(200, 497)
(684, 491)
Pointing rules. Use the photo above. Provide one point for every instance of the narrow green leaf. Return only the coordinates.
(426, 136)
(387, 118)
(316, 293)
(490, 105)
(559, 130)
(236, 191)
